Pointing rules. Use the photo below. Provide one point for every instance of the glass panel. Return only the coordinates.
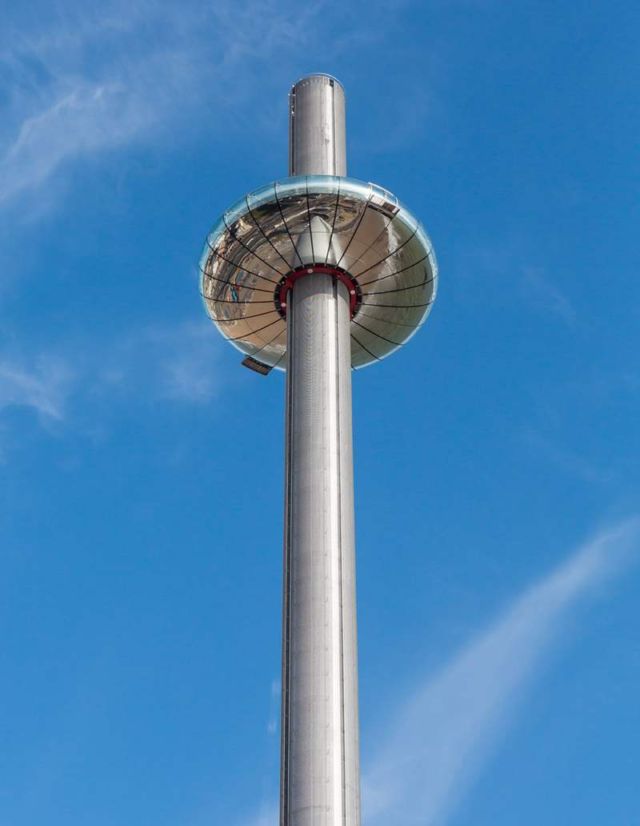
(358, 189)
(318, 218)
(324, 184)
(253, 240)
(359, 356)
(425, 241)
(294, 209)
(374, 344)
(295, 185)
(264, 195)
(216, 233)
(407, 219)
(383, 200)
(236, 211)
(370, 241)
(347, 220)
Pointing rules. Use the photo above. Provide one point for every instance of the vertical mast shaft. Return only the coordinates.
(320, 749)
(317, 134)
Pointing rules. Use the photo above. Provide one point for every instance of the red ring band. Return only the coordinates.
(286, 284)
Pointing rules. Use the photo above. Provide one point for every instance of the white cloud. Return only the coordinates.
(274, 708)
(545, 293)
(97, 78)
(173, 362)
(442, 737)
(266, 817)
(575, 463)
(176, 364)
(78, 119)
(42, 387)
(83, 85)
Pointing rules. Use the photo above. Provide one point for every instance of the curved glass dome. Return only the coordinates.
(355, 231)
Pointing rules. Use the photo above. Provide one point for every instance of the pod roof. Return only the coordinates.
(353, 231)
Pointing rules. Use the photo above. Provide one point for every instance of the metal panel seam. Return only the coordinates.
(286, 625)
(340, 548)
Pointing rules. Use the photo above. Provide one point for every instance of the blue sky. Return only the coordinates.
(497, 477)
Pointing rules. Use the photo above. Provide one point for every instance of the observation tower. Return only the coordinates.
(318, 274)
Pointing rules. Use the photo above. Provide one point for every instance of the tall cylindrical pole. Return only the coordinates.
(317, 134)
(320, 777)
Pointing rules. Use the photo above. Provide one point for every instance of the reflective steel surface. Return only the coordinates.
(320, 779)
(325, 220)
(320, 755)
(317, 134)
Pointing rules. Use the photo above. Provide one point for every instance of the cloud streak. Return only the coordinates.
(77, 119)
(266, 817)
(94, 80)
(546, 294)
(442, 737)
(171, 364)
(168, 362)
(42, 387)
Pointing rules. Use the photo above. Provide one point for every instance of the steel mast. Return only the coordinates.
(320, 743)
(318, 274)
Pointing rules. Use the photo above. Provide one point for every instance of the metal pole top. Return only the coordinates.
(317, 133)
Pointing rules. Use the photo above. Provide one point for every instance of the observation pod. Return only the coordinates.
(317, 274)
(357, 234)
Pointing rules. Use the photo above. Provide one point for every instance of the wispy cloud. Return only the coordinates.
(171, 364)
(442, 737)
(274, 707)
(167, 362)
(266, 817)
(92, 81)
(547, 295)
(42, 386)
(76, 87)
(98, 78)
(577, 464)
(77, 119)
